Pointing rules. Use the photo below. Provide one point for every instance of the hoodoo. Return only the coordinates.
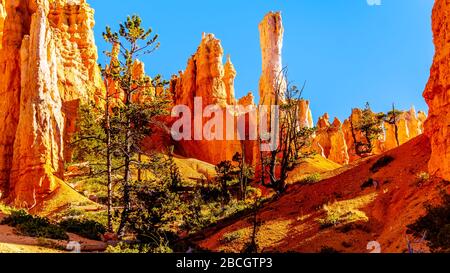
(271, 37)
(48, 64)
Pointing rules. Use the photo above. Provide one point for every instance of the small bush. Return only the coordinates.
(123, 248)
(347, 244)
(327, 249)
(86, 228)
(436, 225)
(332, 219)
(355, 226)
(231, 237)
(422, 178)
(34, 226)
(210, 194)
(339, 215)
(381, 163)
(367, 184)
(312, 178)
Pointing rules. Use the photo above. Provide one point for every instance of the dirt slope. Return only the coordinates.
(379, 212)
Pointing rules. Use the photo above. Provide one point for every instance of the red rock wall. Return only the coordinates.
(437, 92)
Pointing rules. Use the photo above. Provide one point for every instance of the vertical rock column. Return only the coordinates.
(271, 35)
(48, 66)
(437, 93)
(16, 26)
(38, 148)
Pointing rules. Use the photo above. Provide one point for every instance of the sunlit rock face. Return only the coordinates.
(305, 117)
(437, 92)
(206, 77)
(409, 126)
(394, 139)
(48, 64)
(2, 19)
(271, 38)
(330, 141)
(350, 135)
(248, 100)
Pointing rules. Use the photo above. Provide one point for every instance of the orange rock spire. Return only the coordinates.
(271, 37)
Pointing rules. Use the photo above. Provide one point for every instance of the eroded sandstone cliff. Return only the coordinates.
(48, 63)
(206, 77)
(330, 141)
(437, 92)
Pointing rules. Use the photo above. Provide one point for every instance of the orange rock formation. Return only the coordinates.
(206, 77)
(437, 93)
(305, 115)
(329, 140)
(2, 20)
(409, 126)
(271, 35)
(49, 64)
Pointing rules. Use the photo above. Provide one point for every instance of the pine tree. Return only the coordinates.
(392, 118)
(136, 117)
(370, 127)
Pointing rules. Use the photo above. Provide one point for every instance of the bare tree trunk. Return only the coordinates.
(395, 125)
(127, 168)
(108, 163)
(139, 178)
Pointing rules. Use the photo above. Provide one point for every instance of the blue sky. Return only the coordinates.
(347, 51)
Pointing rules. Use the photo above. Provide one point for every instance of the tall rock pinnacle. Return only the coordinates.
(271, 35)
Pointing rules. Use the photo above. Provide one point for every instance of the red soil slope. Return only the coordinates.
(381, 213)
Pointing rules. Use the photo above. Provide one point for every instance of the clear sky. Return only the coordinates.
(347, 51)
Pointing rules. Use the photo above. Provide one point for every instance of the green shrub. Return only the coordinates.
(422, 178)
(34, 226)
(381, 163)
(331, 219)
(86, 228)
(123, 248)
(312, 178)
(231, 237)
(436, 225)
